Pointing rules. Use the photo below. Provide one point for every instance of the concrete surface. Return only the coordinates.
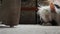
(30, 29)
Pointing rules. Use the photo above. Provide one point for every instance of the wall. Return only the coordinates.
(29, 17)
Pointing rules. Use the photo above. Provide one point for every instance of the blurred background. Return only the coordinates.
(29, 11)
(28, 14)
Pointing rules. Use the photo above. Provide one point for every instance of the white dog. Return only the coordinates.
(50, 13)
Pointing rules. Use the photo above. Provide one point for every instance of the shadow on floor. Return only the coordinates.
(6, 27)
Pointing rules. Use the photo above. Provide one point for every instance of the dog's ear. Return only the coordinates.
(52, 7)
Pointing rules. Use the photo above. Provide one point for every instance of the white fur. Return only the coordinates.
(42, 12)
(45, 10)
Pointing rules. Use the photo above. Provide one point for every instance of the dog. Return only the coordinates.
(50, 14)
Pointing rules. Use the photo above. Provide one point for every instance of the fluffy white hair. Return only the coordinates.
(44, 10)
(45, 13)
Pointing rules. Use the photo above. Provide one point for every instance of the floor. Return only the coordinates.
(30, 29)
